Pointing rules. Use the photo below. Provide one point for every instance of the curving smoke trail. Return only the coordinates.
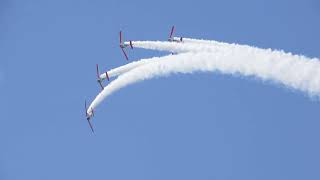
(293, 71)
(192, 45)
(154, 45)
(202, 41)
(125, 68)
(140, 73)
(173, 47)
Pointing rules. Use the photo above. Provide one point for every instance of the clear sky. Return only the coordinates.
(200, 126)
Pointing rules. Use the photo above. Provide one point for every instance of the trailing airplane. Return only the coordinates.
(89, 115)
(124, 45)
(172, 38)
(101, 77)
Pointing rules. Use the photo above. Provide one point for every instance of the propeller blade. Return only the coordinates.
(125, 54)
(98, 74)
(91, 127)
(85, 108)
(101, 85)
(120, 35)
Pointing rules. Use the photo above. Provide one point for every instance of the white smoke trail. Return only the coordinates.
(125, 68)
(190, 45)
(173, 47)
(125, 79)
(202, 41)
(296, 72)
(152, 45)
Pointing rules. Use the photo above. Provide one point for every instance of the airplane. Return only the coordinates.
(101, 77)
(172, 38)
(89, 115)
(124, 45)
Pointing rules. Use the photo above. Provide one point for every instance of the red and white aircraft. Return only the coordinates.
(124, 45)
(172, 38)
(101, 77)
(89, 115)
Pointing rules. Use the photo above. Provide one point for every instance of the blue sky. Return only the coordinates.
(200, 126)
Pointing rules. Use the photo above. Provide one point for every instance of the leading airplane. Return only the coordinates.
(124, 45)
(172, 38)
